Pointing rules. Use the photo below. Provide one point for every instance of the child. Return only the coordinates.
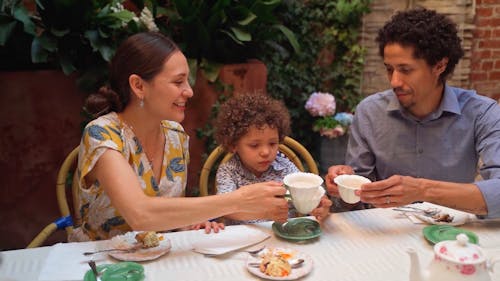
(252, 127)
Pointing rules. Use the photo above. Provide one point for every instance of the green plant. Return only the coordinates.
(215, 32)
(329, 31)
(73, 35)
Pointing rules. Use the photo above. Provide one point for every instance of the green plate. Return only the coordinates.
(297, 229)
(438, 233)
(121, 271)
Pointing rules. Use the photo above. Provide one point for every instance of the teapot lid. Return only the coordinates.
(459, 251)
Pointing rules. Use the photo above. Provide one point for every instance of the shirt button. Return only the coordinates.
(420, 150)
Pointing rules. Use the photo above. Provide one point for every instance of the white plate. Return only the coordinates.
(459, 217)
(229, 239)
(294, 274)
(128, 240)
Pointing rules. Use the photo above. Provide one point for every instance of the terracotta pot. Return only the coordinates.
(246, 78)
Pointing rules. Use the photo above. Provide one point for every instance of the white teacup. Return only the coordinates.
(348, 184)
(305, 189)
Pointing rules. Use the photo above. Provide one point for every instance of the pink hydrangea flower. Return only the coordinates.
(321, 104)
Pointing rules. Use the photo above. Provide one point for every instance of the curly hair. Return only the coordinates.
(238, 114)
(433, 37)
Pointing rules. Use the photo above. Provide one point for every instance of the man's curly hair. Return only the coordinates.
(238, 114)
(433, 37)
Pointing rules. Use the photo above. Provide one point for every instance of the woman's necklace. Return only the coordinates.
(151, 151)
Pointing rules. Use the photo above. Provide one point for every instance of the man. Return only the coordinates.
(421, 140)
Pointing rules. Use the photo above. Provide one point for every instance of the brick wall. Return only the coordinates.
(485, 64)
(479, 27)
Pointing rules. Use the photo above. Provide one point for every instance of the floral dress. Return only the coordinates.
(100, 220)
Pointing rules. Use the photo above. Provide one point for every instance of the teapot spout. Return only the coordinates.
(415, 270)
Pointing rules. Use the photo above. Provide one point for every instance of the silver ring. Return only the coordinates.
(388, 199)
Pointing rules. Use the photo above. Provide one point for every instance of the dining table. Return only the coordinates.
(357, 245)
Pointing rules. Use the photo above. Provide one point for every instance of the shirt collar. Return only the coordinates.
(449, 103)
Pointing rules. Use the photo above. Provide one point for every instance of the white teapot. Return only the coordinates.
(455, 260)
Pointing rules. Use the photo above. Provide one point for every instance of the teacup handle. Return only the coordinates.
(492, 263)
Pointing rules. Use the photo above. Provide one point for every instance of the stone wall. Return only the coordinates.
(479, 27)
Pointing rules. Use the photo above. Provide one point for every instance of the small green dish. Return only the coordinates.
(437, 233)
(129, 271)
(297, 229)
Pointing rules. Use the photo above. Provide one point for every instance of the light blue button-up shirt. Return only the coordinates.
(386, 140)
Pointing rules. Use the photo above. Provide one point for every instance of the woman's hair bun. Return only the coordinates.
(102, 102)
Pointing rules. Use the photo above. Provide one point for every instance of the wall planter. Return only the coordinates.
(40, 124)
(250, 77)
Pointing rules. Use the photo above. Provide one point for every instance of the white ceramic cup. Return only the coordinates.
(348, 184)
(305, 189)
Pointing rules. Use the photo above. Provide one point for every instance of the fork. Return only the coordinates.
(251, 252)
(127, 250)
(427, 212)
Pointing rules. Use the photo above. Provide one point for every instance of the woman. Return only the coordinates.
(133, 159)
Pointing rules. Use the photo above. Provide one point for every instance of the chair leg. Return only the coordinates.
(42, 236)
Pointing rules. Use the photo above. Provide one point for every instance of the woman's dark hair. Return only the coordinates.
(238, 114)
(433, 37)
(143, 54)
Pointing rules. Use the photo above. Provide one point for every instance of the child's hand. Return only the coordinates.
(323, 209)
(208, 226)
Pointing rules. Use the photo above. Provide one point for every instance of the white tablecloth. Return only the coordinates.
(359, 245)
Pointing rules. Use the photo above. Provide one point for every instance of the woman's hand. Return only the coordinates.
(208, 226)
(265, 200)
(333, 172)
(323, 210)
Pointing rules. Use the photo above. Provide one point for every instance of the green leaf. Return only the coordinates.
(47, 42)
(123, 16)
(210, 70)
(241, 34)
(193, 71)
(60, 32)
(5, 31)
(66, 65)
(251, 16)
(93, 36)
(231, 35)
(290, 36)
(21, 14)
(38, 53)
(106, 52)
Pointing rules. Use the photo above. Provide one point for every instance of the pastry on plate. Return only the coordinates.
(148, 239)
(275, 266)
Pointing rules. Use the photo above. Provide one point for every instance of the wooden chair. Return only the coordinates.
(295, 151)
(65, 221)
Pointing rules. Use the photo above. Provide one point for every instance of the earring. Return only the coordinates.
(141, 103)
